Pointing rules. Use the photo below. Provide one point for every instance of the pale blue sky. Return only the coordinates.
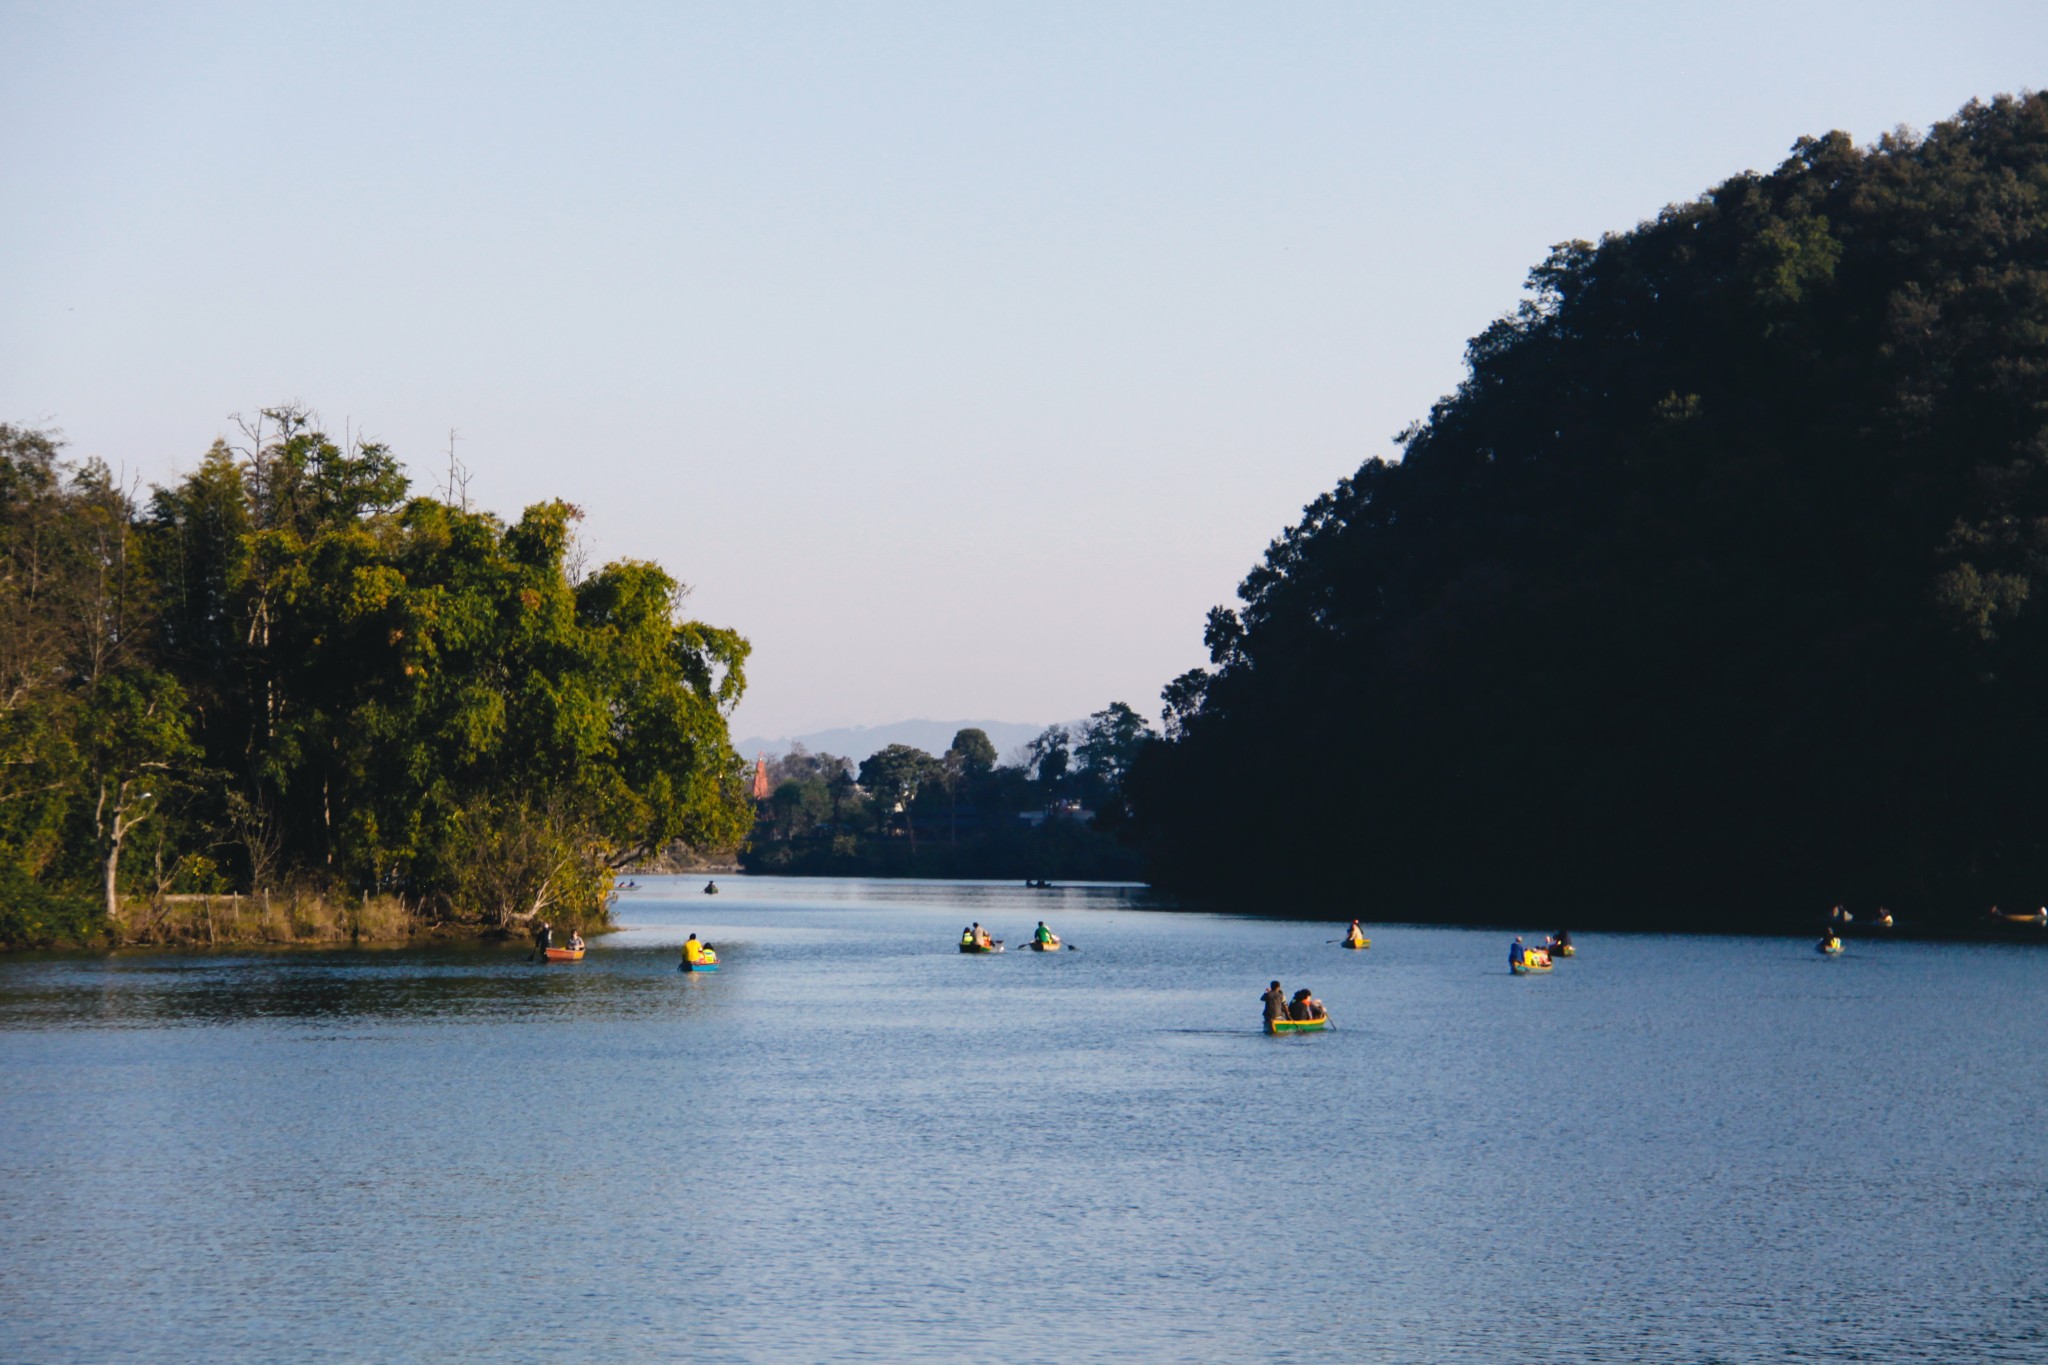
(959, 355)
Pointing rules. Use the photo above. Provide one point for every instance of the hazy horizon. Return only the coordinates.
(959, 358)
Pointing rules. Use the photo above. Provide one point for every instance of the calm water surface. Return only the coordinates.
(855, 1143)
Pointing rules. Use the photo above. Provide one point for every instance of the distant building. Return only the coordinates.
(1058, 810)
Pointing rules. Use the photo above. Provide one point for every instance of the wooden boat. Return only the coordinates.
(1052, 946)
(564, 954)
(995, 947)
(1276, 1027)
(1358, 943)
(2037, 918)
(1534, 960)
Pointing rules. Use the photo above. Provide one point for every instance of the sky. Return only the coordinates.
(959, 355)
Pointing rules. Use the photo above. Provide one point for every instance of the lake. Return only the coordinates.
(855, 1143)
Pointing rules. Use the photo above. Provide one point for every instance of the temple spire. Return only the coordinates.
(760, 777)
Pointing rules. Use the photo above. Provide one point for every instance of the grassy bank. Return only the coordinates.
(44, 920)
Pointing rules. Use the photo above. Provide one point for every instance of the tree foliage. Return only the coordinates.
(315, 678)
(1716, 588)
(961, 813)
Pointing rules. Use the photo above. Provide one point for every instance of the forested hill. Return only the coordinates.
(1718, 591)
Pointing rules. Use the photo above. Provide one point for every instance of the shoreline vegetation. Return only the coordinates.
(1715, 595)
(1055, 811)
(284, 668)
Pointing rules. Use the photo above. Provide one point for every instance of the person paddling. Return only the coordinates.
(1516, 952)
(1275, 1001)
(1043, 935)
(1355, 936)
(544, 937)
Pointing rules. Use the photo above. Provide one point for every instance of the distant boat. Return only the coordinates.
(1276, 1027)
(1533, 960)
(996, 946)
(1052, 945)
(564, 954)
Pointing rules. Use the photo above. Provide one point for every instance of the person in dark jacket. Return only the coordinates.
(1275, 1000)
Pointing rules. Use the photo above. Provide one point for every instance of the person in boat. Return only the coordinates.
(1354, 934)
(1516, 952)
(1837, 917)
(1560, 940)
(968, 939)
(693, 951)
(981, 938)
(1043, 935)
(711, 888)
(575, 941)
(544, 936)
(1275, 1001)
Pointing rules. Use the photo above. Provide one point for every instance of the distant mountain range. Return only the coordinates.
(858, 741)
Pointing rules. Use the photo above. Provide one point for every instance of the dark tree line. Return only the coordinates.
(283, 670)
(1057, 811)
(1718, 590)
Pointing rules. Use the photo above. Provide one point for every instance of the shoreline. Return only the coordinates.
(293, 920)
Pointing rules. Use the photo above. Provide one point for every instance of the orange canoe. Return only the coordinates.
(565, 954)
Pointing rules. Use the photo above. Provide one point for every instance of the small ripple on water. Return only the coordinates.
(855, 1143)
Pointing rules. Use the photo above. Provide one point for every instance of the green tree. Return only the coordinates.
(135, 740)
(893, 777)
(1049, 758)
(977, 752)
